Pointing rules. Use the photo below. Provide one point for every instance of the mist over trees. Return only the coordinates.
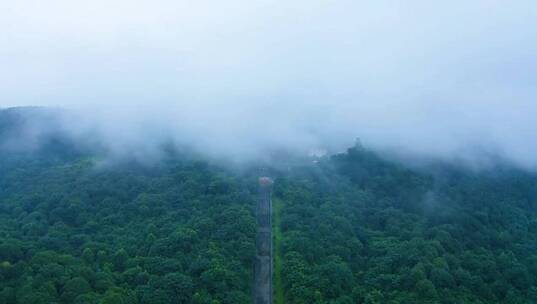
(444, 79)
(355, 227)
(133, 133)
(359, 229)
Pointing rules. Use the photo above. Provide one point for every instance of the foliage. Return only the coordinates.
(361, 229)
(351, 228)
(76, 233)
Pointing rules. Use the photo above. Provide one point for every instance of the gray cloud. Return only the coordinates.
(237, 77)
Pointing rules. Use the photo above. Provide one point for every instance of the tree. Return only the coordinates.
(88, 256)
(120, 259)
(73, 288)
(179, 286)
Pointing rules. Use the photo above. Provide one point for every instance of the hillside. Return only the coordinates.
(353, 228)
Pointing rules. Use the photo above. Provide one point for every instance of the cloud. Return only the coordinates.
(239, 77)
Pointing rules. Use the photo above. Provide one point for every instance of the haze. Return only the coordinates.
(235, 78)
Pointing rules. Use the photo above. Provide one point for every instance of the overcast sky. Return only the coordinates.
(435, 77)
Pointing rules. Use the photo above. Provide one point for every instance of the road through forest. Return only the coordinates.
(263, 259)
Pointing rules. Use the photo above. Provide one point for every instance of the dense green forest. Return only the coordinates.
(359, 229)
(352, 228)
(71, 233)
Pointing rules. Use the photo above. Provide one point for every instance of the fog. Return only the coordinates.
(452, 79)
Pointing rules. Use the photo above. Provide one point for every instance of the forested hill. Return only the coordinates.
(36, 134)
(361, 229)
(353, 228)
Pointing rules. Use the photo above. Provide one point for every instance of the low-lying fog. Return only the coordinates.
(236, 78)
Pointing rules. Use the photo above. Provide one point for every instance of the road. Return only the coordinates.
(263, 258)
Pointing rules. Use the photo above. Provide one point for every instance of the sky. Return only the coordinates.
(448, 79)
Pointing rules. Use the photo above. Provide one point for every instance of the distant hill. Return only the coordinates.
(35, 131)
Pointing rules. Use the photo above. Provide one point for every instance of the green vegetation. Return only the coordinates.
(359, 229)
(76, 233)
(352, 228)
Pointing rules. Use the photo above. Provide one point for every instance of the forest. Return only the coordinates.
(353, 227)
